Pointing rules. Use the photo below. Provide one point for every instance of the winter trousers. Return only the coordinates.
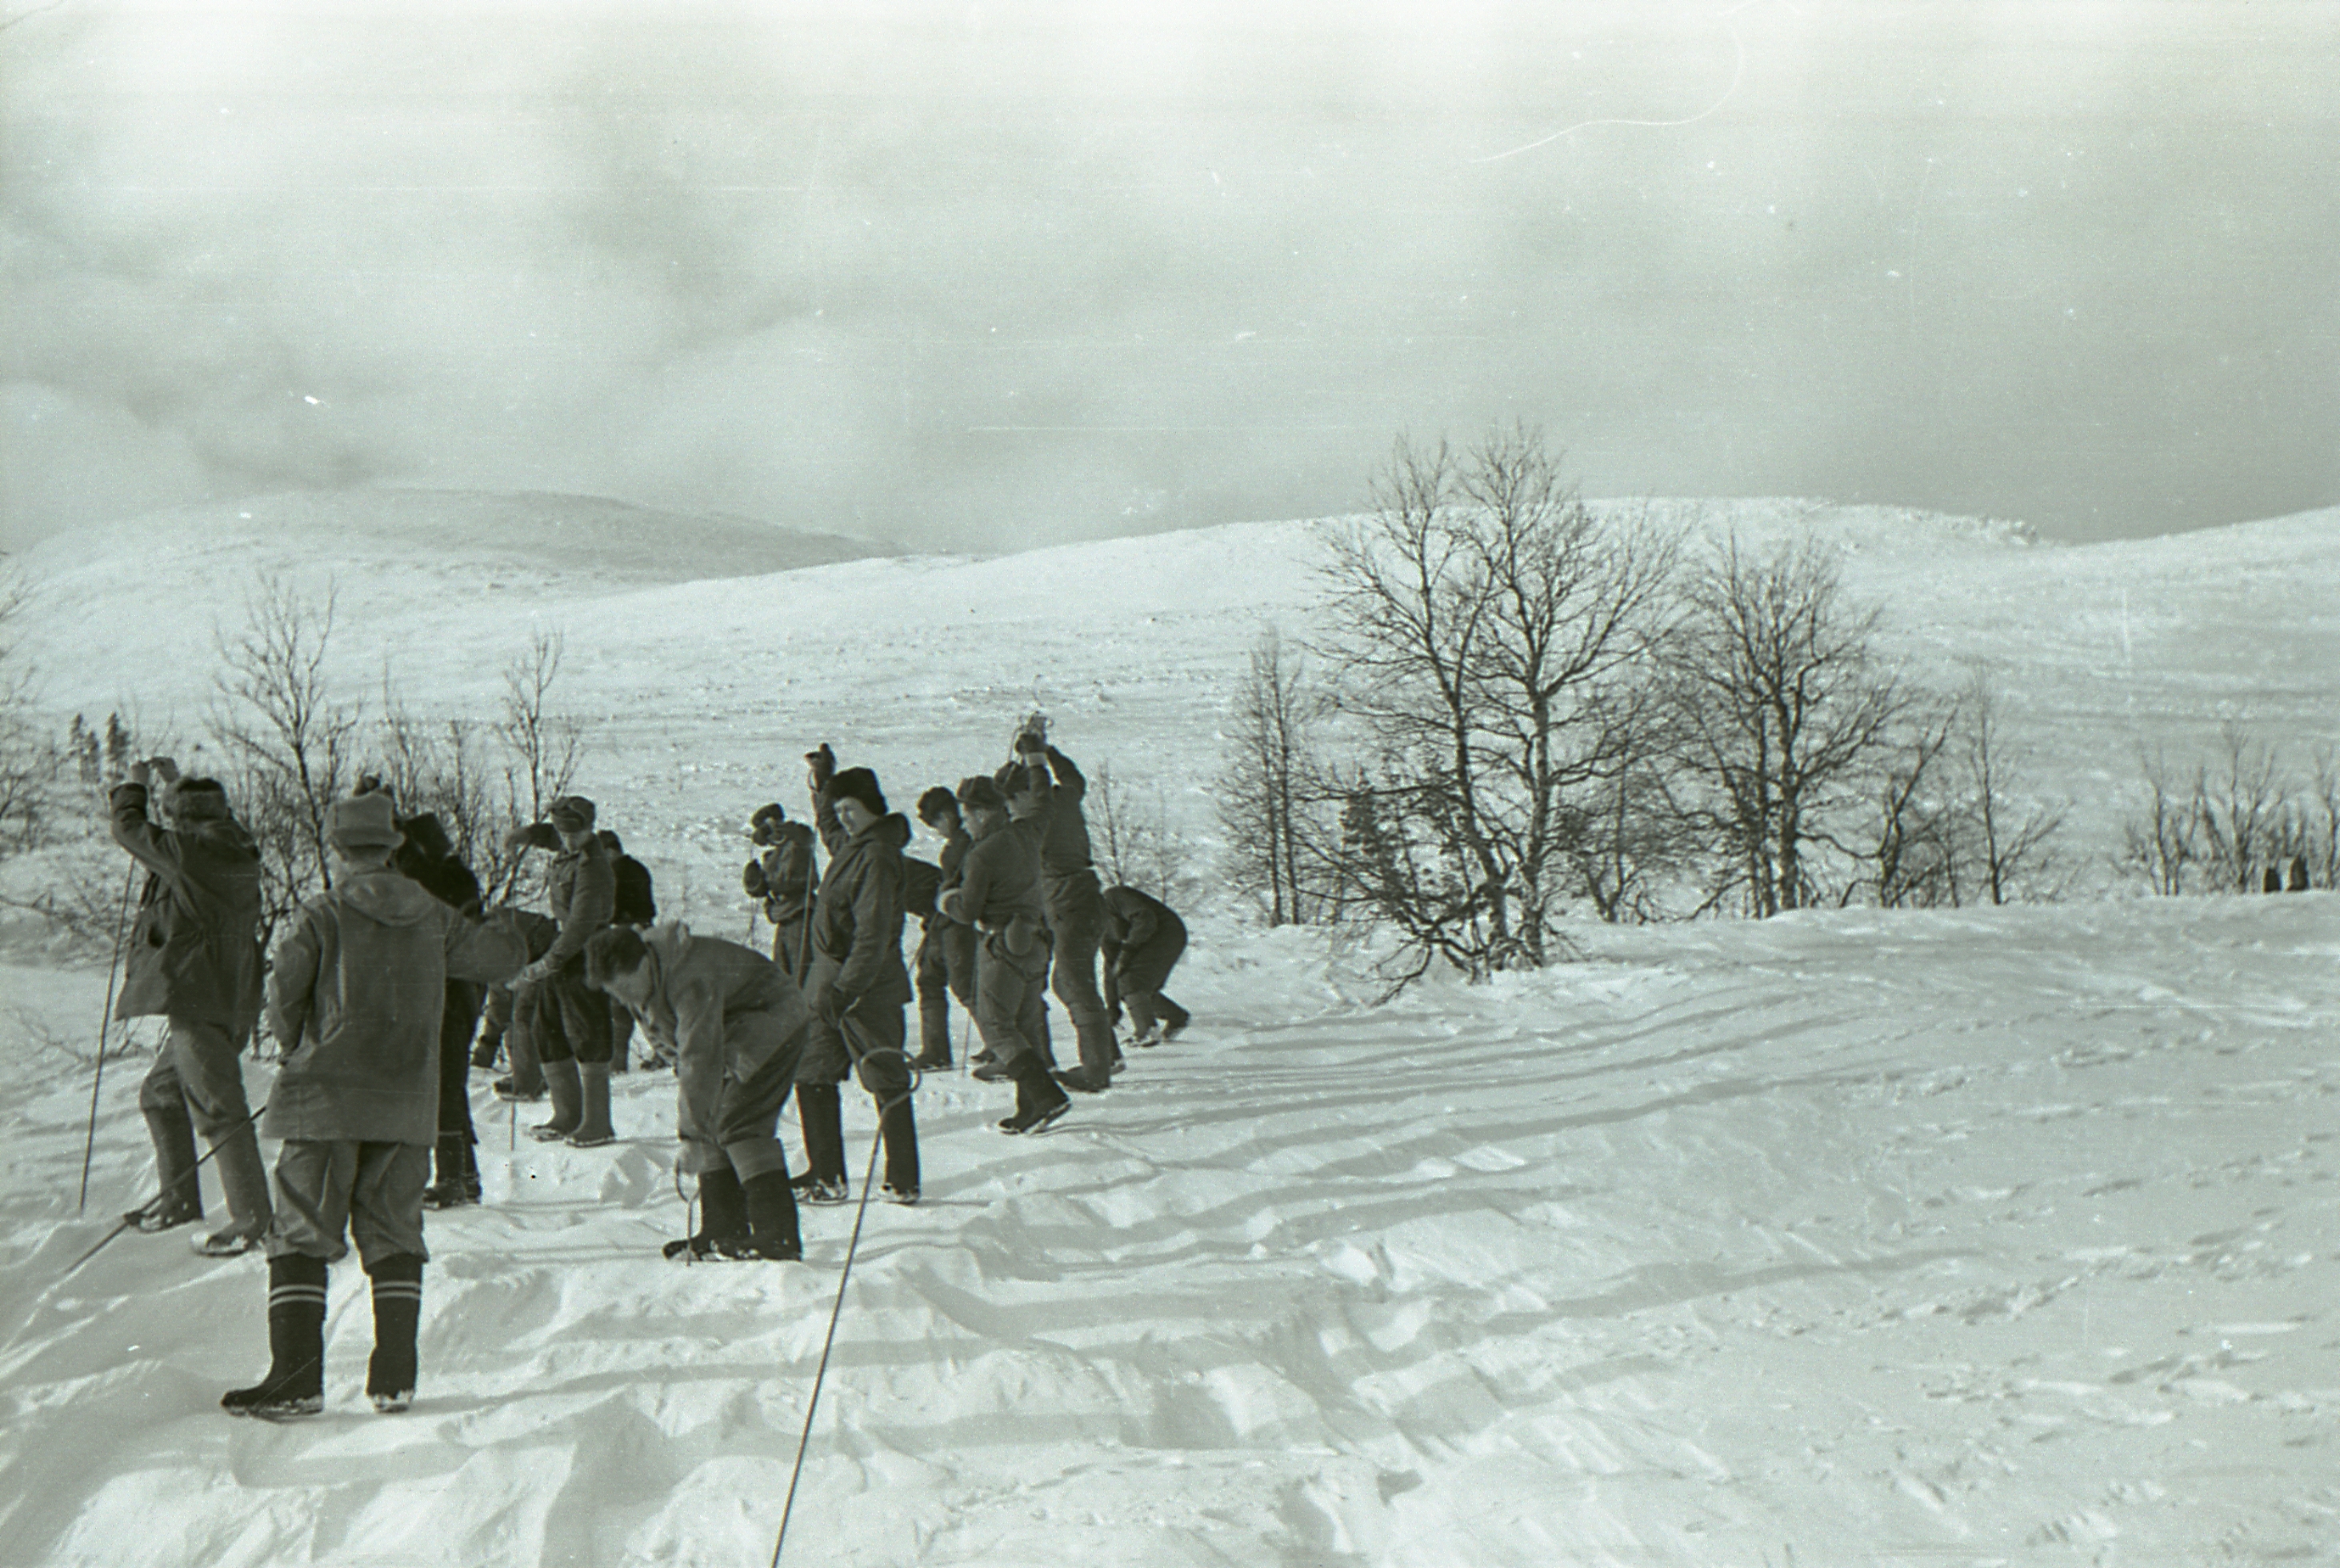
(1075, 909)
(1010, 1008)
(371, 1191)
(945, 969)
(572, 1019)
(1136, 977)
(196, 1085)
(792, 946)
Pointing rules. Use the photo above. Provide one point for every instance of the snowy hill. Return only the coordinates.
(1848, 1238)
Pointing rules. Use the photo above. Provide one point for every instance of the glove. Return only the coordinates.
(528, 975)
(823, 764)
(1030, 745)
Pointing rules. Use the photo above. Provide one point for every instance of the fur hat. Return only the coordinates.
(980, 794)
(570, 814)
(935, 801)
(362, 822)
(427, 834)
(766, 814)
(859, 784)
(198, 800)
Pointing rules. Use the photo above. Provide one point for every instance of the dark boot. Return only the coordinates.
(822, 1117)
(897, 1126)
(295, 1383)
(568, 1092)
(397, 1312)
(1039, 1099)
(450, 1160)
(722, 1216)
(527, 1080)
(593, 1129)
(772, 1233)
(934, 1031)
(179, 1194)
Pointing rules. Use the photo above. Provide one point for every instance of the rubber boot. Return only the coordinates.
(295, 1383)
(722, 1217)
(934, 1031)
(593, 1129)
(397, 1313)
(772, 1231)
(179, 1194)
(568, 1092)
(820, 1114)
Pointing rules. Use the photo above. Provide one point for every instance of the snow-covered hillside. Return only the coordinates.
(1993, 1237)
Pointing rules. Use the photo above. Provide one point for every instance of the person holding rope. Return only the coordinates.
(1074, 906)
(734, 1023)
(356, 993)
(783, 877)
(857, 985)
(634, 902)
(194, 960)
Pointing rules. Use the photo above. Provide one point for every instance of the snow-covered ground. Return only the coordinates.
(1992, 1236)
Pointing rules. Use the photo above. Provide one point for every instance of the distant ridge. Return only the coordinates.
(573, 535)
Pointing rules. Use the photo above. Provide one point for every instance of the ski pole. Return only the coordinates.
(131, 1217)
(105, 1027)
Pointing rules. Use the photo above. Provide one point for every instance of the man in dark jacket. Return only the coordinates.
(355, 995)
(195, 959)
(634, 903)
(998, 895)
(570, 1020)
(945, 962)
(1075, 906)
(427, 858)
(735, 1022)
(1143, 940)
(784, 876)
(858, 987)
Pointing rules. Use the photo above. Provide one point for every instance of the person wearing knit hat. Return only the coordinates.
(354, 1001)
(998, 895)
(195, 959)
(857, 985)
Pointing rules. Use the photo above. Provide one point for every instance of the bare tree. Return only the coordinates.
(2243, 810)
(1478, 617)
(2012, 841)
(2161, 842)
(29, 761)
(1265, 791)
(543, 748)
(293, 745)
(1135, 842)
(1918, 844)
(1784, 712)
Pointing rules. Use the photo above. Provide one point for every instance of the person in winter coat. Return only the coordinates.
(427, 858)
(570, 1021)
(998, 895)
(354, 997)
(501, 1020)
(784, 876)
(194, 960)
(1143, 939)
(1075, 906)
(633, 902)
(857, 985)
(735, 1022)
(945, 960)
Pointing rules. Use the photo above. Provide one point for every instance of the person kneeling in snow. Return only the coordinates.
(734, 1023)
(355, 995)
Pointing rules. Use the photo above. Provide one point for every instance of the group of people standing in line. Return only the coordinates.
(376, 987)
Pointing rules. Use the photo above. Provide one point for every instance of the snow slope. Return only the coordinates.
(1995, 1236)
(1843, 1239)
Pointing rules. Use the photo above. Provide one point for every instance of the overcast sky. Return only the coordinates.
(978, 275)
